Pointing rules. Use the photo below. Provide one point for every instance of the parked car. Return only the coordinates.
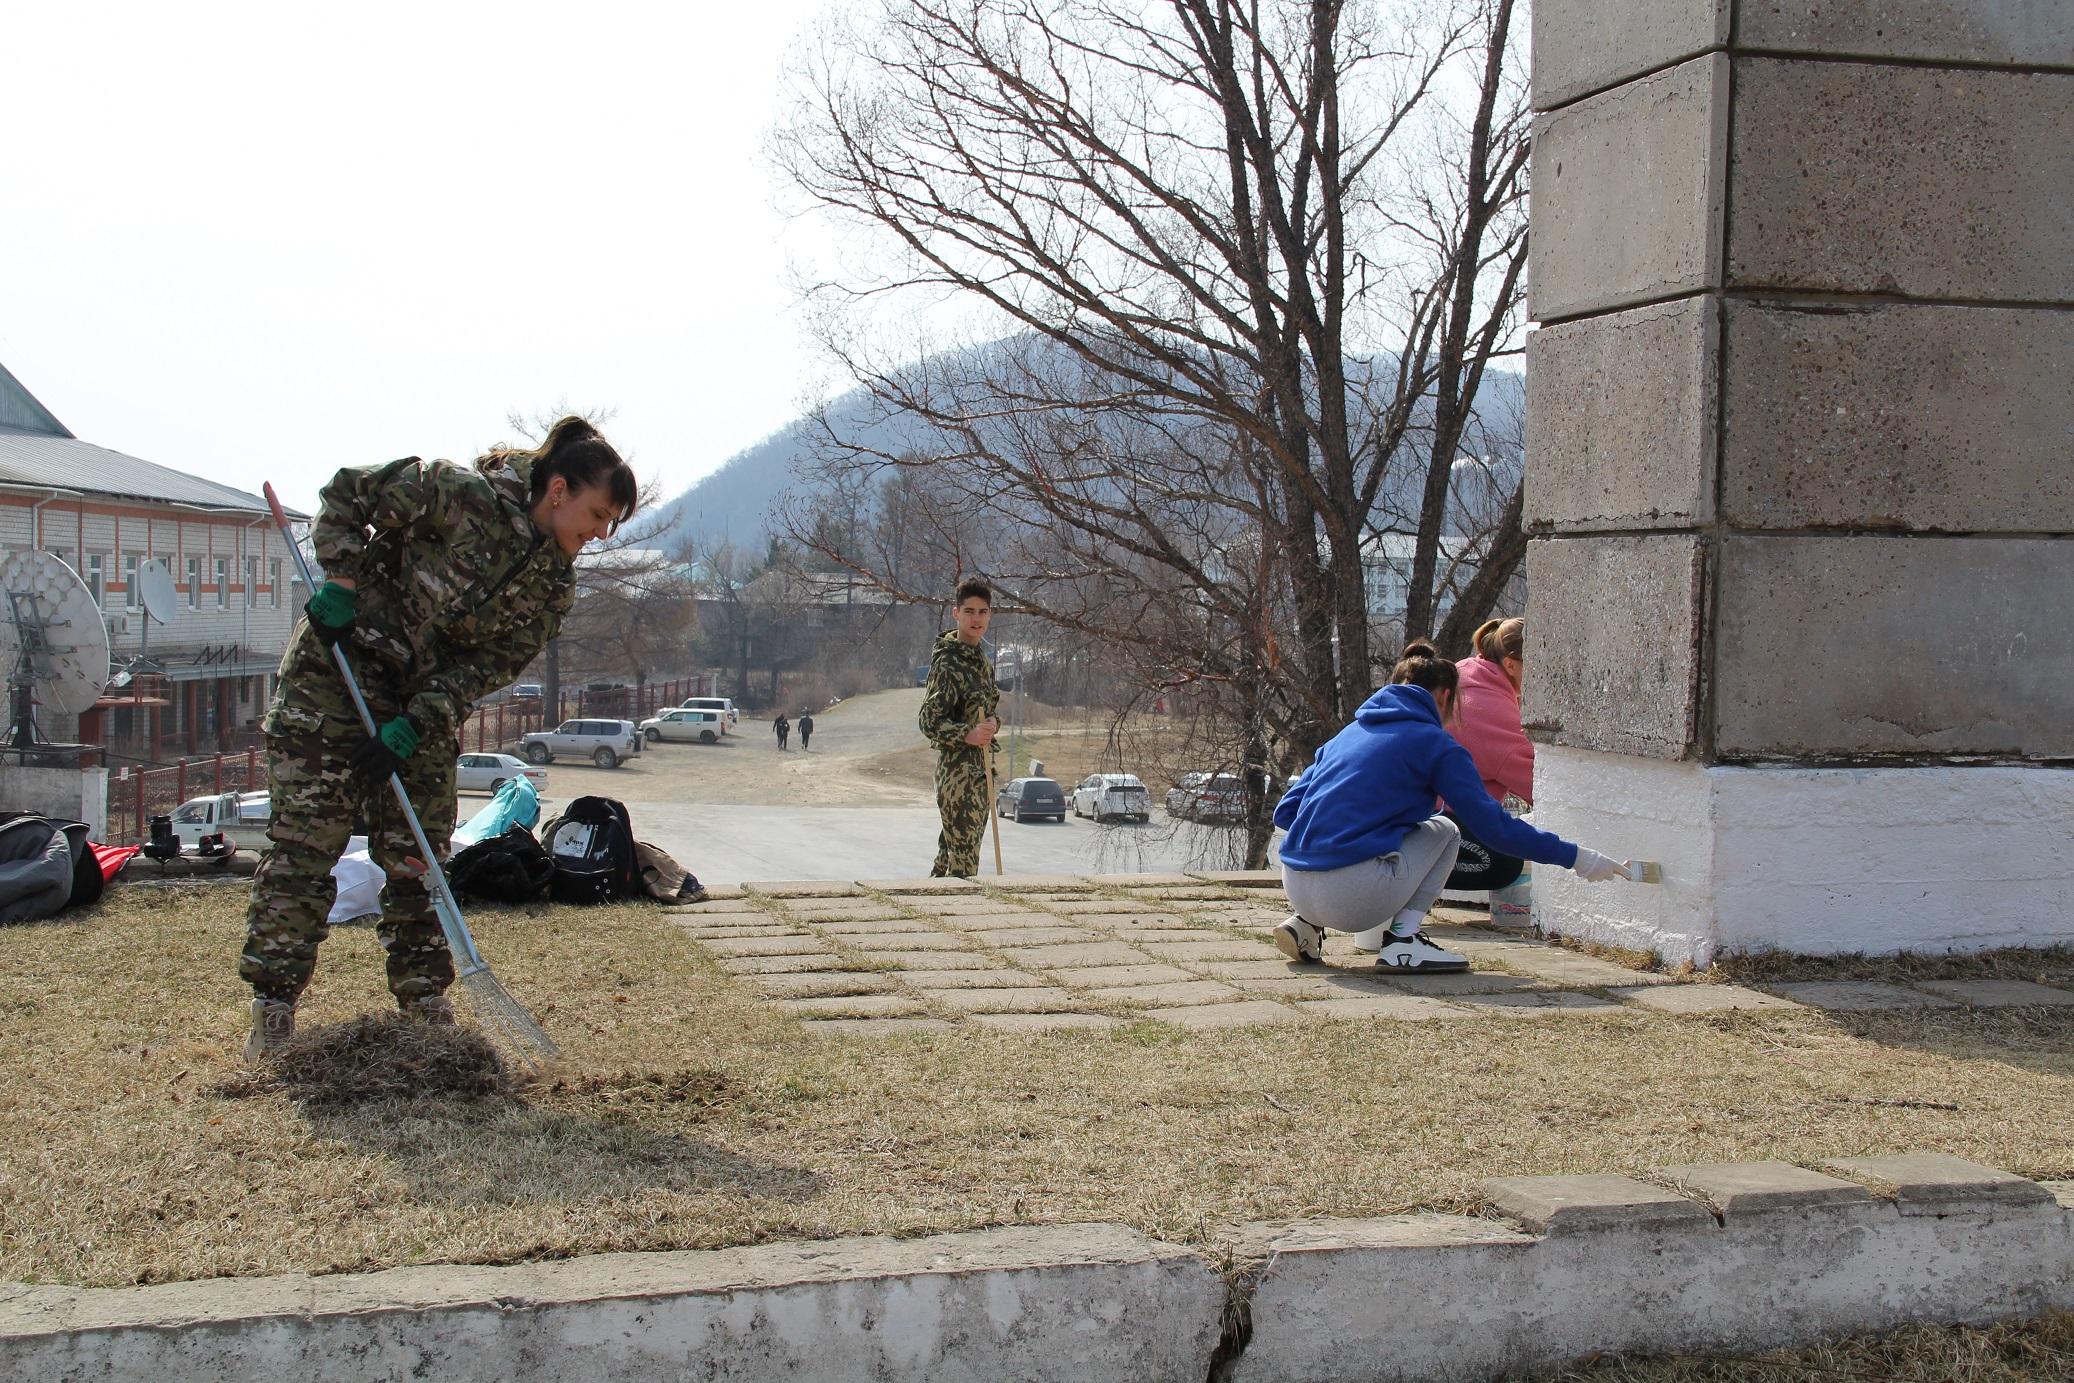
(684, 723)
(603, 742)
(1106, 795)
(1218, 797)
(1031, 799)
(237, 816)
(525, 691)
(729, 716)
(488, 772)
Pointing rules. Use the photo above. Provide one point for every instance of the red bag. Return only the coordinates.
(112, 858)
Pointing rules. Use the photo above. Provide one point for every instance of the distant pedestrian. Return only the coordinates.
(783, 727)
(806, 729)
(958, 717)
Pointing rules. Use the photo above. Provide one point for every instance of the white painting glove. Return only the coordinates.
(1595, 868)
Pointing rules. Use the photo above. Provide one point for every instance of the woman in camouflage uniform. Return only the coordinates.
(958, 717)
(443, 582)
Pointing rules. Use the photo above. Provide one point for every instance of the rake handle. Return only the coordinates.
(450, 920)
(993, 808)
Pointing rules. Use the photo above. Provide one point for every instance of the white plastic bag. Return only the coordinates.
(359, 882)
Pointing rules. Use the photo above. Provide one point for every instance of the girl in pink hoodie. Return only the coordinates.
(1487, 715)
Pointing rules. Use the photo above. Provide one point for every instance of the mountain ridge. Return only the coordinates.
(734, 503)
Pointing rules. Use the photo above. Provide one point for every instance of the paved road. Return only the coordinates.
(853, 809)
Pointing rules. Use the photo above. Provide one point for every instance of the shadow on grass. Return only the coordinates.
(2031, 1039)
(437, 1104)
(2037, 1037)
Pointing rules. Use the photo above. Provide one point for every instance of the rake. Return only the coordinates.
(993, 807)
(505, 1018)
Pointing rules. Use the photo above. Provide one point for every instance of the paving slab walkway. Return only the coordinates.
(887, 957)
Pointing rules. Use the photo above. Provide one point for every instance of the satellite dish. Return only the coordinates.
(156, 587)
(51, 634)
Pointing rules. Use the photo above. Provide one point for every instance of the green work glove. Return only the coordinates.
(401, 735)
(383, 753)
(331, 612)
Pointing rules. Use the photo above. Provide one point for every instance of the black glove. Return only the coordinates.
(385, 751)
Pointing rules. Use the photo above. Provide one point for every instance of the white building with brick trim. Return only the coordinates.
(106, 513)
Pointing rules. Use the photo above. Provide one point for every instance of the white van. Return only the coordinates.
(239, 816)
(723, 705)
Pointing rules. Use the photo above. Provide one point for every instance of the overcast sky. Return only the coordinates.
(261, 242)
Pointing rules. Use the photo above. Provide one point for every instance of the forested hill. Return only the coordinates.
(735, 503)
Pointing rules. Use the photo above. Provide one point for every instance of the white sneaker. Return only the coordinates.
(1300, 940)
(1415, 955)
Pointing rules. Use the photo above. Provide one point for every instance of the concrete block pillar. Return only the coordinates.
(1801, 470)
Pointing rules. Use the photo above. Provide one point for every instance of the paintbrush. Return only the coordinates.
(1645, 872)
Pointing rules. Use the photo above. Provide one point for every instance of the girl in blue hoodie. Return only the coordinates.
(1364, 844)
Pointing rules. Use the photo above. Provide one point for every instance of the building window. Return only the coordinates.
(223, 583)
(95, 576)
(274, 580)
(194, 582)
(130, 561)
(251, 582)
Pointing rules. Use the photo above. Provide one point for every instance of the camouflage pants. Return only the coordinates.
(316, 801)
(961, 798)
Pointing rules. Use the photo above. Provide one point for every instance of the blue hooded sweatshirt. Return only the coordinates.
(1376, 779)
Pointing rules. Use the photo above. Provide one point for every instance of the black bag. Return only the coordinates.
(1478, 866)
(592, 847)
(511, 868)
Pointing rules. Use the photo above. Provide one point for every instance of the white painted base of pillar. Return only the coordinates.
(1821, 861)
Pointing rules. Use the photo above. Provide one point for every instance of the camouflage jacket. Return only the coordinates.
(458, 590)
(961, 693)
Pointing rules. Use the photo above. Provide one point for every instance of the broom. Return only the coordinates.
(506, 1019)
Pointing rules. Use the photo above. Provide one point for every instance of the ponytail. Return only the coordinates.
(578, 453)
(1498, 639)
(1420, 665)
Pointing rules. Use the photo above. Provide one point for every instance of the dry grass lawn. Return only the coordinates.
(2017, 1352)
(688, 1114)
(2052, 965)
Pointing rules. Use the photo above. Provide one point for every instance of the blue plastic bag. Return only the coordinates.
(516, 804)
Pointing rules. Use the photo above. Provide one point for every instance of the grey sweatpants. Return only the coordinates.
(1369, 893)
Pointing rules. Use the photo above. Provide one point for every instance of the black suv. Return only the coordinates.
(1028, 799)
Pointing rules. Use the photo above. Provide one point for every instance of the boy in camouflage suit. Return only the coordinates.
(444, 582)
(958, 718)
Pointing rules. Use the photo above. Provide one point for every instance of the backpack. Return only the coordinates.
(1478, 866)
(506, 868)
(592, 847)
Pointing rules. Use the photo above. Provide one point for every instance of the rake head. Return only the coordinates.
(508, 1022)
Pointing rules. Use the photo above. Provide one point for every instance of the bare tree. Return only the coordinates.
(636, 614)
(1472, 221)
(724, 574)
(1240, 310)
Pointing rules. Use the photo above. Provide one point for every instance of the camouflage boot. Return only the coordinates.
(273, 1023)
(436, 1009)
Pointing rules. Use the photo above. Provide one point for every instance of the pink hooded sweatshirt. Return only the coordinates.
(1487, 724)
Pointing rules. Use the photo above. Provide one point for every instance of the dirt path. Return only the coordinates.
(747, 768)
